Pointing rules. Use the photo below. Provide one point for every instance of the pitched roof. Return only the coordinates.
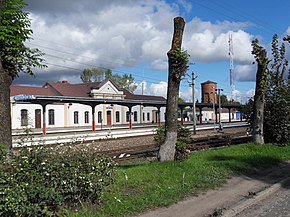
(75, 90)
(18, 90)
(208, 82)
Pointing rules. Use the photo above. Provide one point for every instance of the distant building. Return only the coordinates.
(208, 92)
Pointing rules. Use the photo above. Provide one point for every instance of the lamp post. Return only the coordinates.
(219, 93)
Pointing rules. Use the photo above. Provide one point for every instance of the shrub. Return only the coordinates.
(39, 181)
(183, 138)
(277, 117)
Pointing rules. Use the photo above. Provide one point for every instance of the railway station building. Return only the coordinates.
(78, 112)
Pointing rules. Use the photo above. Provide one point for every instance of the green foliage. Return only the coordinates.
(125, 81)
(224, 99)
(247, 110)
(14, 31)
(277, 106)
(183, 138)
(180, 61)
(39, 181)
(277, 117)
(95, 75)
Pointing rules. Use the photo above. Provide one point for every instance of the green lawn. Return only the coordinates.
(148, 185)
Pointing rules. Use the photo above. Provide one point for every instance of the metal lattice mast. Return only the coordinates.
(231, 55)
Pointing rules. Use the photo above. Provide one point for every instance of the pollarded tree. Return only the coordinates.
(177, 66)
(260, 55)
(15, 57)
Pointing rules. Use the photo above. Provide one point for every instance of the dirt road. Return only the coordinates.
(228, 199)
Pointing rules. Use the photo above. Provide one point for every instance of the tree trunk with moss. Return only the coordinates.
(260, 91)
(167, 149)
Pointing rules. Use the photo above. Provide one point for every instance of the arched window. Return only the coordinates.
(86, 117)
(148, 116)
(76, 117)
(143, 116)
(50, 117)
(127, 116)
(99, 117)
(135, 116)
(117, 116)
(24, 117)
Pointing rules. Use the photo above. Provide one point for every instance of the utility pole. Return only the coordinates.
(193, 102)
(213, 107)
(219, 93)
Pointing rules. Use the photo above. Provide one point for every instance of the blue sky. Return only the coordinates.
(130, 36)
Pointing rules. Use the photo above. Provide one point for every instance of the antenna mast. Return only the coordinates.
(231, 55)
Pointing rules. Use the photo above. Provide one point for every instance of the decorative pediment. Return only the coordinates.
(107, 90)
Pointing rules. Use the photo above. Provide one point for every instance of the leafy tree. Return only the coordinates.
(15, 57)
(224, 99)
(277, 107)
(247, 110)
(178, 65)
(96, 75)
(260, 55)
(125, 81)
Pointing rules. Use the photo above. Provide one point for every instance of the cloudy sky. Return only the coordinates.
(132, 36)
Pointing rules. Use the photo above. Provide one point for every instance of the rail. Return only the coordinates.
(139, 153)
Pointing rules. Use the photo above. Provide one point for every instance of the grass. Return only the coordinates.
(142, 186)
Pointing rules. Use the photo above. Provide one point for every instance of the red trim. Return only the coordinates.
(130, 124)
(44, 129)
(93, 125)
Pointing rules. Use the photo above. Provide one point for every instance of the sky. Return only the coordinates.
(133, 37)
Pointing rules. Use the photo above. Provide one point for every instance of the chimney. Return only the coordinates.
(64, 82)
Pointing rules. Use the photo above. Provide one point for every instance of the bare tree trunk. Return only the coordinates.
(5, 114)
(259, 99)
(167, 150)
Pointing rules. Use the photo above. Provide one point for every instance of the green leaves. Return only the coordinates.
(179, 61)
(14, 31)
(39, 181)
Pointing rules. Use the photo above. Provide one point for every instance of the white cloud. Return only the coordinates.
(140, 86)
(159, 89)
(187, 94)
(117, 34)
(245, 72)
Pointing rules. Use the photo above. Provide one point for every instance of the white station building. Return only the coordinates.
(84, 107)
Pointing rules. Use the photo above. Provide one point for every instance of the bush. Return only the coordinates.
(277, 117)
(39, 181)
(183, 138)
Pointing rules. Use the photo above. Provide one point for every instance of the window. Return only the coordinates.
(148, 116)
(117, 116)
(86, 117)
(143, 116)
(24, 117)
(99, 117)
(127, 116)
(50, 117)
(135, 116)
(76, 117)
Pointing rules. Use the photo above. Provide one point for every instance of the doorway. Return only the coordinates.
(37, 118)
(109, 115)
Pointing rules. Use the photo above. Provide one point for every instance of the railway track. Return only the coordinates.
(148, 152)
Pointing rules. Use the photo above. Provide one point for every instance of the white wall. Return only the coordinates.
(64, 114)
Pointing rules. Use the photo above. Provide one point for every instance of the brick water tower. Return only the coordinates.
(208, 94)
